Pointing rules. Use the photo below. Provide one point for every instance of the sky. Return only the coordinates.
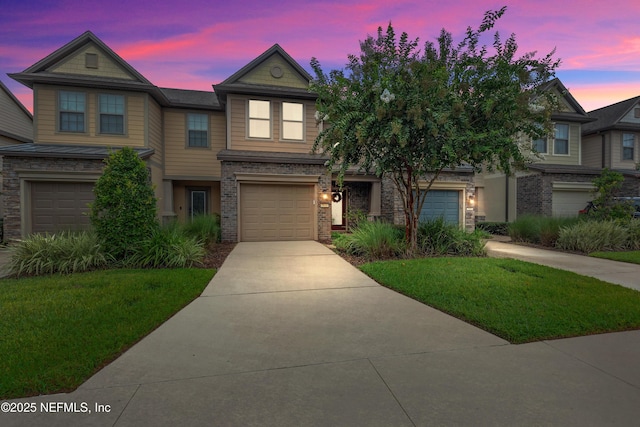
(194, 44)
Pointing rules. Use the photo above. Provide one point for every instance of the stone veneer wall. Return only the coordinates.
(229, 194)
(11, 183)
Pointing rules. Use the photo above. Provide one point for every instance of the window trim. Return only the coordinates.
(60, 111)
(187, 130)
(546, 145)
(568, 153)
(100, 113)
(283, 121)
(269, 120)
(633, 147)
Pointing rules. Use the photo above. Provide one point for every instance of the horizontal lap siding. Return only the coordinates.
(193, 162)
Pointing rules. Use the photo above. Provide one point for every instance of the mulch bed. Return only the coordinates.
(216, 254)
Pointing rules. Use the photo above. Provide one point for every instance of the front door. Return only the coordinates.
(198, 202)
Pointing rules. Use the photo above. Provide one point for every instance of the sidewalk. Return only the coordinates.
(620, 273)
(290, 334)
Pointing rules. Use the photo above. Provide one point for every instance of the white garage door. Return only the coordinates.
(569, 202)
(57, 206)
(276, 212)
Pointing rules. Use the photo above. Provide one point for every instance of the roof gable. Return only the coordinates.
(568, 108)
(16, 122)
(71, 60)
(620, 115)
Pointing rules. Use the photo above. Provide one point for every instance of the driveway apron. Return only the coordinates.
(290, 334)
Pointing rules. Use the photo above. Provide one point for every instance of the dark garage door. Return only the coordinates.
(442, 203)
(57, 206)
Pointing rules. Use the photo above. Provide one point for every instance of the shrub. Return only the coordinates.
(65, 252)
(167, 247)
(437, 238)
(496, 228)
(593, 236)
(539, 229)
(633, 227)
(204, 228)
(373, 240)
(124, 210)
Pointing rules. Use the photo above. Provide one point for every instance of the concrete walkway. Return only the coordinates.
(289, 334)
(620, 273)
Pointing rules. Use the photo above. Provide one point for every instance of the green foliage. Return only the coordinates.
(58, 331)
(539, 229)
(608, 186)
(355, 217)
(124, 210)
(410, 113)
(63, 253)
(373, 240)
(593, 236)
(633, 230)
(204, 228)
(437, 238)
(167, 247)
(515, 300)
(632, 257)
(495, 228)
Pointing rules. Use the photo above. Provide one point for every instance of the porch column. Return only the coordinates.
(376, 199)
(167, 201)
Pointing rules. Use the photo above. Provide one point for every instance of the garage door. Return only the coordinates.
(568, 203)
(276, 212)
(442, 203)
(57, 206)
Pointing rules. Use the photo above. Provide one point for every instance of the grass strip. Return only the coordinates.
(518, 301)
(57, 331)
(632, 257)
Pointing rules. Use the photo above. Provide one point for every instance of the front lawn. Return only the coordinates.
(518, 301)
(629, 256)
(56, 331)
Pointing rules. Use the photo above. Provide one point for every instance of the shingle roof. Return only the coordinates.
(609, 117)
(192, 98)
(66, 151)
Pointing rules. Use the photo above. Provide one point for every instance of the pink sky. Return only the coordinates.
(192, 45)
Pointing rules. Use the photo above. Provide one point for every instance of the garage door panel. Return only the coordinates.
(442, 203)
(57, 206)
(567, 203)
(276, 212)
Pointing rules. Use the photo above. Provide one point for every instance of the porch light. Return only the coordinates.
(472, 200)
(324, 196)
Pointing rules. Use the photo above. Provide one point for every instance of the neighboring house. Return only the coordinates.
(242, 151)
(556, 184)
(613, 141)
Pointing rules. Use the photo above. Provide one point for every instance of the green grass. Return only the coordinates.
(629, 256)
(56, 331)
(518, 301)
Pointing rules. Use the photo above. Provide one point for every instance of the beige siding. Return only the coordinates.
(46, 111)
(182, 161)
(154, 134)
(592, 151)
(574, 149)
(262, 74)
(13, 119)
(75, 64)
(630, 117)
(237, 109)
(616, 152)
(180, 197)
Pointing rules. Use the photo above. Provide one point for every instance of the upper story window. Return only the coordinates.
(259, 119)
(561, 141)
(628, 146)
(540, 145)
(72, 107)
(292, 121)
(111, 110)
(197, 130)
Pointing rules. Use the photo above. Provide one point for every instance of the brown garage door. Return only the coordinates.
(57, 206)
(276, 212)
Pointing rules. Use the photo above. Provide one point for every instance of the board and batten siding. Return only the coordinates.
(239, 140)
(592, 151)
(184, 161)
(46, 111)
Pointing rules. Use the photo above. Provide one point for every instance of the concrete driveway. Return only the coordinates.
(289, 334)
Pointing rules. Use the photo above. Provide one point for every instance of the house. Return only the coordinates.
(613, 141)
(556, 183)
(242, 150)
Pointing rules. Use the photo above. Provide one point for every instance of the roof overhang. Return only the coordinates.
(67, 151)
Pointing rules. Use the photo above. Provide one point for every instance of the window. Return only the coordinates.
(628, 145)
(71, 107)
(198, 130)
(111, 114)
(540, 145)
(292, 123)
(198, 202)
(561, 142)
(259, 119)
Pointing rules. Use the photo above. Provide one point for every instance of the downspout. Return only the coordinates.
(603, 150)
(506, 198)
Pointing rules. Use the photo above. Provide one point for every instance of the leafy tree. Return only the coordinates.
(409, 114)
(608, 186)
(124, 211)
